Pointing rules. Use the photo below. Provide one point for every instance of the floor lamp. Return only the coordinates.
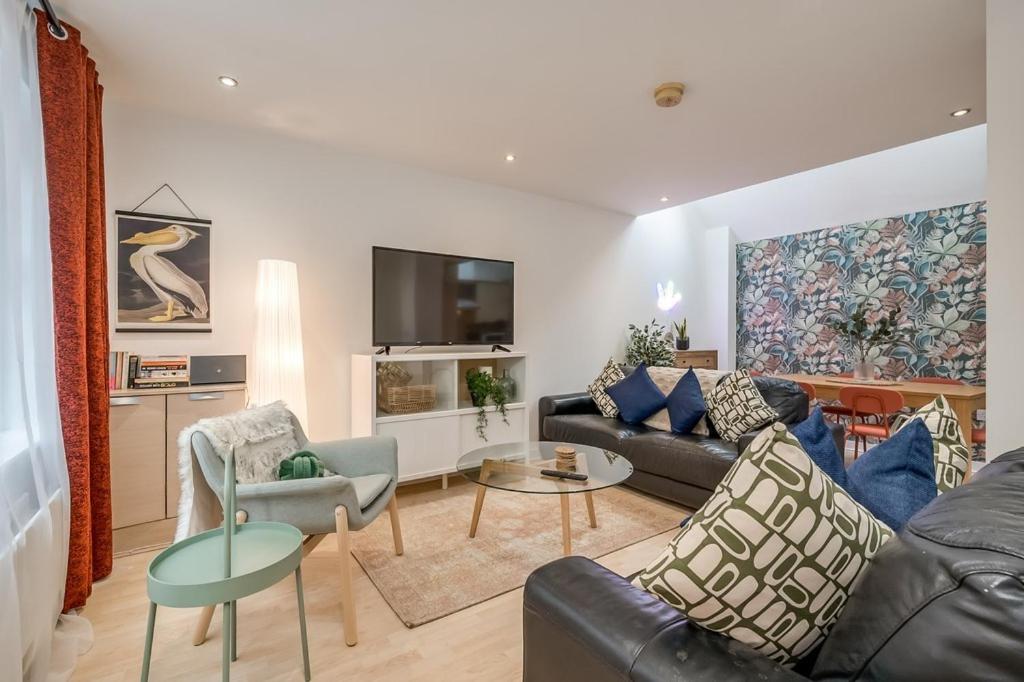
(278, 368)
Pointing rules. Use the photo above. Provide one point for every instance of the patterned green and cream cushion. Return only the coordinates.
(735, 406)
(772, 557)
(611, 374)
(951, 454)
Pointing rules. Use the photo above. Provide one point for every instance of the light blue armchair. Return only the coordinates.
(364, 485)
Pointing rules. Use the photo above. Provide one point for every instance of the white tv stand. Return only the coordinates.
(430, 443)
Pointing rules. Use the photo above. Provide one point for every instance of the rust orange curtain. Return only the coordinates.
(71, 99)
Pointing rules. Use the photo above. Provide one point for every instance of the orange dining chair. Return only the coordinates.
(977, 434)
(812, 395)
(838, 411)
(863, 402)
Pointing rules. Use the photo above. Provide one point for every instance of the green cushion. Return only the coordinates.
(302, 464)
(951, 454)
(772, 557)
(735, 406)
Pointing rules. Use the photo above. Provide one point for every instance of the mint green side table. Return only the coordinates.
(223, 565)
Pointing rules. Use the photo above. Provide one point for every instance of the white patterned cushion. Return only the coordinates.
(951, 454)
(735, 406)
(611, 374)
(666, 378)
(772, 557)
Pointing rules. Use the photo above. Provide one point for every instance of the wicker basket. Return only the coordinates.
(406, 399)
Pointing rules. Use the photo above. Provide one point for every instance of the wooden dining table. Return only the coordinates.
(963, 399)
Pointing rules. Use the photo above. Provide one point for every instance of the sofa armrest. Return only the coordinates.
(581, 622)
(566, 403)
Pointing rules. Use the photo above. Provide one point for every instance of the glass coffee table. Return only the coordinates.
(516, 467)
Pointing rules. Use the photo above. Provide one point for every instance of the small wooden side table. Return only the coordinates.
(698, 359)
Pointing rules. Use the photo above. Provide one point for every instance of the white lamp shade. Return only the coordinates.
(278, 368)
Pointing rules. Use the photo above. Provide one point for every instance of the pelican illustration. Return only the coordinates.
(179, 292)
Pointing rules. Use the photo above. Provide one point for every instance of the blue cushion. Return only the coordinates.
(816, 439)
(685, 403)
(636, 396)
(896, 478)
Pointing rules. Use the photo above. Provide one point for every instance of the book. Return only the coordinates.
(128, 371)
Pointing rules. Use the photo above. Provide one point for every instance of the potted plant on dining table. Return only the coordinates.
(864, 335)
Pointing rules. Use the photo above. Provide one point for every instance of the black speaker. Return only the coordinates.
(216, 369)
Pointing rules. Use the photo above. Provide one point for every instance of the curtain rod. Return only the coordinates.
(52, 22)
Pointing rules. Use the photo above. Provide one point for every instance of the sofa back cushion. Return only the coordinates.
(785, 397)
(944, 599)
(666, 378)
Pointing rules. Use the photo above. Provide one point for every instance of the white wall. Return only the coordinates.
(940, 171)
(1005, 92)
(581, 274)
(671, 245)
(933, 173)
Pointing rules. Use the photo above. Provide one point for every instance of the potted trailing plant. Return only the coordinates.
(650, 345)
(682, 340)
(863, 336)
(483, 387)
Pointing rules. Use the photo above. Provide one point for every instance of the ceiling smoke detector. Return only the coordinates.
(668, 94)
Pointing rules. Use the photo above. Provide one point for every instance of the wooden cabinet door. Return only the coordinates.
(184, 410)
(137, 444)
(699, 359)
(426, 447)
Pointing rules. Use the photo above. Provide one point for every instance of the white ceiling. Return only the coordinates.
(773, 88)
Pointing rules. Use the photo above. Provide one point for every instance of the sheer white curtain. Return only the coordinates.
(34, 495)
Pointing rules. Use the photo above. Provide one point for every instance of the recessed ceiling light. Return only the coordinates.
(228, 81)
(960, 112)
(663, 199)
(510, 157)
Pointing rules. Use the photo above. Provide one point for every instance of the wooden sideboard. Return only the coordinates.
(144, 428)
(699, 359)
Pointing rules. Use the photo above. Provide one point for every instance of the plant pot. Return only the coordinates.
(683, 344)
(478, 400)
(864, 371)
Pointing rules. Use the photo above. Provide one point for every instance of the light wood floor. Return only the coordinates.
(481, 643)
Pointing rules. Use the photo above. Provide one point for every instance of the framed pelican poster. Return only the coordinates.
(163, 273)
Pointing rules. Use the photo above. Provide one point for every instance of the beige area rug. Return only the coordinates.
(444, 571)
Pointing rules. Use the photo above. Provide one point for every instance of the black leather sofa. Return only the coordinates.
(683, 469)
(942, 601)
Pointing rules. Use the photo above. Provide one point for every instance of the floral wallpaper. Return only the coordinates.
(931, 264)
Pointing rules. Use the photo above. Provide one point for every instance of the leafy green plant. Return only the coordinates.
(483, 386)
(680, 329)
(650, 345)
(862, 335)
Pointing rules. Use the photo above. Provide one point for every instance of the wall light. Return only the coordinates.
(278, 367)
(668, 297)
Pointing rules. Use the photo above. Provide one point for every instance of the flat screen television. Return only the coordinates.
(435, 299)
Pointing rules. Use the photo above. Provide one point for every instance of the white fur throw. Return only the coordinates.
(666, 378)
(261, 437)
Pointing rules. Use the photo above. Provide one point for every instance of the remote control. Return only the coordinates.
(564, 474)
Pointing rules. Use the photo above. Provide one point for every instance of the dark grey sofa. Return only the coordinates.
(942, 601)
(683, 469)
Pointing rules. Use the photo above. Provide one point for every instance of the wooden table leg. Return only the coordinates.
(589, 497)
(485, 472)
(566, 528)
(477, 506)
